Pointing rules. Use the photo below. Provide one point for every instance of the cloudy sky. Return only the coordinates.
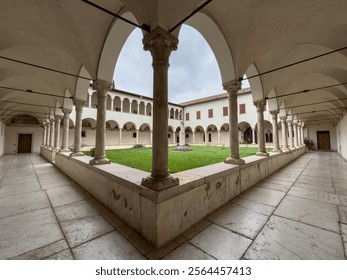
(193, 71)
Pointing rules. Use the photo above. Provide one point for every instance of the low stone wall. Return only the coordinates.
(161, 216)
(48, 154)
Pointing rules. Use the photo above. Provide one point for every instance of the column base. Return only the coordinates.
(99, 161)
(262, 154)
(275, 152)
(160, 184)
(285, 150)
(234, 160)
(76, 154)
(64, 151)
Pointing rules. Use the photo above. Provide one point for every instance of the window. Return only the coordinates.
(169, 135)
(187, 135)
(83, 133)
(210, 113)
(225, 111)
(198, 115)
(187, 116)
(134, 135)
(242, 108)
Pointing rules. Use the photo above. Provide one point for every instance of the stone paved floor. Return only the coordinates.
(300, 212)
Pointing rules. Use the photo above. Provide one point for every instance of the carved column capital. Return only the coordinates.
(232, 87)
(260, 105)
(102, 86)
(78, 104)
(160, 43)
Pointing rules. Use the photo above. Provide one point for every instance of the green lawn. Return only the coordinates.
(141, 158)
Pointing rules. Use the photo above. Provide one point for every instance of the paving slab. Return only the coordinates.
(111, 246)
(264, 196)
(21, 203)
(315, 195)
(29, 231)
(221, 243)
(239, 219)
(187, 252)
(62, 196)
(283, 239)
(316, 213)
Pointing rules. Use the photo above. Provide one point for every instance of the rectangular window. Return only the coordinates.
(225, 111)
(83, 133)
(242, 108)
(134, 135)
(169, 135)
(198, 115)
(187, 116)
(210, 113)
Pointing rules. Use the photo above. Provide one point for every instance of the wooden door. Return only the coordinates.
(323, 140)
(24, 143)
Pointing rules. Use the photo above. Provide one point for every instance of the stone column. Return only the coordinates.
(160, 43)
(284, 134)
(101, 87)
(137, 136)
(218, 137)
(44, 134)
(260, 105)
(151, 137)
(302, 135)
(253, 136)
(290, 129)
(121, 105)
(232, 87)
(299, 135)
(51, 137)
(206, 137)
(174, 137)
(66, 124)
(296, 134)
(276, 148)
(112, 106)
(48, 132)
(90, 100)
(57, 132)
(78, 128)
(193, 136)
(120, 135)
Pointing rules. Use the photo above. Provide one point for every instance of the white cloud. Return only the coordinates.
(193, 71)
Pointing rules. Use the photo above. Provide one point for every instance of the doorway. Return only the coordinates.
(323, 140)
(24, 143)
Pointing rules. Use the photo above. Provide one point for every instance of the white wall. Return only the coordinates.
(2, 138)
(312, 135)
(341, 134)
(11, 137)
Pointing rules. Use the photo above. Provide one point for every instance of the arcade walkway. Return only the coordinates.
(300, 212)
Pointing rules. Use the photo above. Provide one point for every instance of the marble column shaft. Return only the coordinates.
(232, 87)
(290, 129)
(66, 124)
(160, 43)
(284, 134)
(295, 128)
(51, 137)
(253, 136)
(276, 148)
(101, 87)
(57, 132)
(260, 105)
(48, 133)
(78, 128)
(44, 134)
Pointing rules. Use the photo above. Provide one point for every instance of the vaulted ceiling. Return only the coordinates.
(69, 37)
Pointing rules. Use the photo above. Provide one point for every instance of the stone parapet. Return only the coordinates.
(160, 216)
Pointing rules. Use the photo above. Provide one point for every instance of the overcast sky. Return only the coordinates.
(193, 71)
